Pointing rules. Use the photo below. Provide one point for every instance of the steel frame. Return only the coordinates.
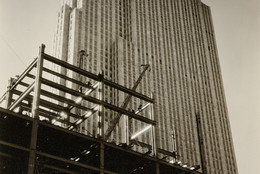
(31, 100)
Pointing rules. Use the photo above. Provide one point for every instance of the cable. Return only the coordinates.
(10, 47)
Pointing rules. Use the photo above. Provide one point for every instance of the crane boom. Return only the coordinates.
(124, 105)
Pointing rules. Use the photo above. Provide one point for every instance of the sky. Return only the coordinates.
(25, 24)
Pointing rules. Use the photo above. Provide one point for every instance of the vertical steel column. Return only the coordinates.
(130, 128)
(33, 143)
(174, 145)
(35, 111)
(37, 88)
(9, 94)
(100, 119)
(102, 158)
(154, 138)
(127, 130)
(80, 78)
(101, 122)
(157, 167)
(102, 112)
(201, 145)
(101, 125)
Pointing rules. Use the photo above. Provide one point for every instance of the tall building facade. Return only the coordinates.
(176, 38)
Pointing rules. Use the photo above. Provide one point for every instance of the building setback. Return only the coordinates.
(176, 38)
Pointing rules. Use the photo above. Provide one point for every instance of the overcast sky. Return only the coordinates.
(25, 24)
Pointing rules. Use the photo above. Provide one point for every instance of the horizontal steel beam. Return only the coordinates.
(7, 155)
(67, 161)
(70, 67)
(30, 76)
(67, 78)
(14, 146)
(56, 107)
(97, 78)
(96, 101)
(58, 169)
(73, 162)
(47, 104)
(50, 115)
(64, 100)
(24, 84)
(127, 90)
(165, 152)
(138, 143)
(46, 114)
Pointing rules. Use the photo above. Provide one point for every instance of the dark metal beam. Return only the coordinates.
(7, 155)
(73, 162)
(97, 78)
(138, 143)
(129, 91)
(57, 169)
(165, 152)
(14, 146)
(30, 76)
(70, 67)
(47, 114)
(56, 107)
(67, 78)
(67, 161)
(24, 84)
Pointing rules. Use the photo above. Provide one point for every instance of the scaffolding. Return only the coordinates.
(42, 132)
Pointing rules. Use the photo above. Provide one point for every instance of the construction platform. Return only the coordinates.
(41, 132)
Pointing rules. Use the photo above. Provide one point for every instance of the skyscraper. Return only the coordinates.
(176, 38)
